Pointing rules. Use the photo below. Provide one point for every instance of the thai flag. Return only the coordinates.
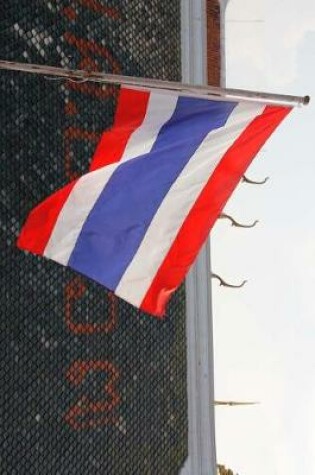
(158, 181)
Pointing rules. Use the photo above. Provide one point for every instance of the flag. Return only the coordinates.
(157, 182)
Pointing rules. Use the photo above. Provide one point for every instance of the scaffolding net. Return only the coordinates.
(89, 385)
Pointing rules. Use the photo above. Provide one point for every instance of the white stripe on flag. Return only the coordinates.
(75, 212)
(159, 110)
(87, 190)
(169, 218)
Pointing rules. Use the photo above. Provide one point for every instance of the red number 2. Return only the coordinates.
(86, 413)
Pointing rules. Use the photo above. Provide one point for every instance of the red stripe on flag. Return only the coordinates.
(131, 110)
(41, 221)
(207, 208)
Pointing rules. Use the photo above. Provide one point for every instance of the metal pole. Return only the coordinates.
(234, 403)
(200, 368)
(208, 92)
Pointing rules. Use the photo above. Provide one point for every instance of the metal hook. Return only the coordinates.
(79, 80)
(61, 78)
(235, 223)
(67, 77)
(252, 182)
(226, 284)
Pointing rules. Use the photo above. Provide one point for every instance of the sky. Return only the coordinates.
(265, 332)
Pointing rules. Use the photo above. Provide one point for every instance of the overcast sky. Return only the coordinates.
(265, 332)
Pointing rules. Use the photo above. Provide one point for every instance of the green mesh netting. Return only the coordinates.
(88, 384)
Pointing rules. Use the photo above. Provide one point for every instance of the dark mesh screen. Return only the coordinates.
(88, 384)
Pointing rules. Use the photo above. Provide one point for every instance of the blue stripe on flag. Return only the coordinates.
(120, 218)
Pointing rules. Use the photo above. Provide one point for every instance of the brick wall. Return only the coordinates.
(213, 42)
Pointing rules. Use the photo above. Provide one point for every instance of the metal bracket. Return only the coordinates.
(236, 223)
(235, 403)
(226, 284)
(245, 179)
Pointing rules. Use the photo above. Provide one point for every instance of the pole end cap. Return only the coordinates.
(306, 100)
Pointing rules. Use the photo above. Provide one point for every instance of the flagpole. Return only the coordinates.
(208, 92)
